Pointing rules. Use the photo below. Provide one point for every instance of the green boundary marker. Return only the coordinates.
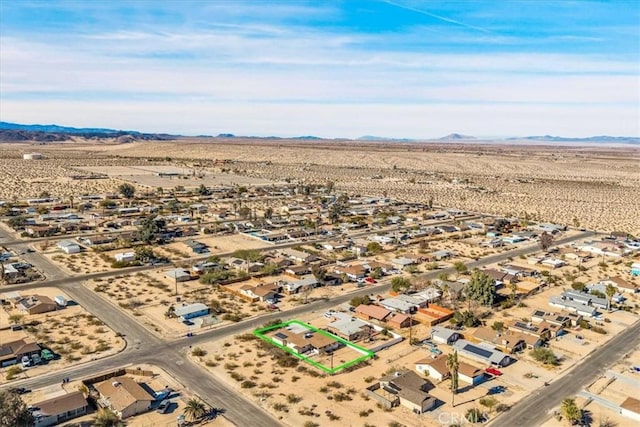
(367, 354)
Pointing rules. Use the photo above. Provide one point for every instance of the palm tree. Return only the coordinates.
(610, 291)
(106, 418)
(194, 409)
(570, 410)
(452, 366)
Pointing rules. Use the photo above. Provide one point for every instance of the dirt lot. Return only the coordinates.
(71, 332)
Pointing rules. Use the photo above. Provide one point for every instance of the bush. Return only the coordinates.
(248, 384)
(13, 371)
(545, 356)
(292, 398)
(198, 352)
(599, 330)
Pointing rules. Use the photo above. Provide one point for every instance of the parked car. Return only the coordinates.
(435, 350)
(429, 343)
(497, 389)
(19, 390)
(26, 361)
(46, 354)
(493, 371)
(273, 307)
(370, 280)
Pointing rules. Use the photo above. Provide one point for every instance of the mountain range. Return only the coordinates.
(50, 133)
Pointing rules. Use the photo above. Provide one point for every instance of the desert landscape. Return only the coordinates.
(588, 187)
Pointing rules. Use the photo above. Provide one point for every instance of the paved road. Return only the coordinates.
(145, 347)
(537, 407)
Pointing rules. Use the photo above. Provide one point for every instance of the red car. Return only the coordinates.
(370, 280)
(493, 371)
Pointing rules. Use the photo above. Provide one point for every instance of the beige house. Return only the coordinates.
(35, 304)
(124, 396)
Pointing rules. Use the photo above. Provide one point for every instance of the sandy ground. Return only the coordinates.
(589, 186)
(149, 419)
(71, 332)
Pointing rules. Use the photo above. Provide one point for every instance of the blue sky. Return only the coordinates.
(398, 68)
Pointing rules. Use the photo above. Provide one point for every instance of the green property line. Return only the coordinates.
(367, 354)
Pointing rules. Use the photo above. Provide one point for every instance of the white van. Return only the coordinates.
(26, 361)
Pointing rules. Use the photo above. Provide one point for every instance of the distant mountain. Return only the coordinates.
(382, 138)
(14, 132)
(58, 129)
(601, 138)
(456, 137)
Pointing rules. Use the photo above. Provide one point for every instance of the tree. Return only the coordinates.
(498, 326)
(15, 318)
(150, 227)
(127, 190)
(144, 253)
(545, 241)
(466, 318)
(570, 410)
(356, 301)
(270, 268)
(194, 410)
(488, 402)
(203, 190)
(244, 212)
(318, 272)
(329, 186)
(268, 213)
(248, 255)
(453, 365)
(106, 418)
(17, 222)
(374, 248)
(400, 284)
(545, 355)
(13, 410)
(610, 291)
(481, 288)
(473, 415)
(460, 267)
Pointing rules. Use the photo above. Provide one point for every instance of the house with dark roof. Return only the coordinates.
(411, 390)
(60, 409)
(482, 353)
(13, 351)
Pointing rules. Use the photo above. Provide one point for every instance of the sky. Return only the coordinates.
(397, 68)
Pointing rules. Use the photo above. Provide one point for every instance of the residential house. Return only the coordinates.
(125, 257)
(298, 256)
(572, 306)
(13, 351)
(123, 396)
(306, 341)
(298, 270)
(559, 319)
(399, 321)
(411, 390)
(444, 335)
(266, 292)
(622, 285)
(350, 328)
(586, 299)
(553, 262)
(508, 341)
(428, 295)
(196, 247)
(601, 287)
(398, 305)
(295, 286)
(483, 353)
(98, 240)
(630, 408)
(36, 304)
(542, 330)
(178, 274)
(204, 267)
(435, 369)
(191, 311)
(373, 312)
(469, 373)
(353, 272)
(441, 255)
(413, 299)
(58, 410)
(402, 262)
(68, 247)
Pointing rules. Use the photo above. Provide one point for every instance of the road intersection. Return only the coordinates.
(171, 355)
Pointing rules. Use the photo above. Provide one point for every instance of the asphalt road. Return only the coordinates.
(145, 347)
(537, 407)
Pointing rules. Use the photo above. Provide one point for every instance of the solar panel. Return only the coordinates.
(525, 326)
(281, 336)
(478, 350)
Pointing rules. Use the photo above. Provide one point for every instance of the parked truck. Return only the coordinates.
(61, 301)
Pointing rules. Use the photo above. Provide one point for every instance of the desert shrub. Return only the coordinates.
(248, 384)
(545, 355)
(292, 398)
(198, 352)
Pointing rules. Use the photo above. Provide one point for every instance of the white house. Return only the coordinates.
(68, 247)
(125, 257)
